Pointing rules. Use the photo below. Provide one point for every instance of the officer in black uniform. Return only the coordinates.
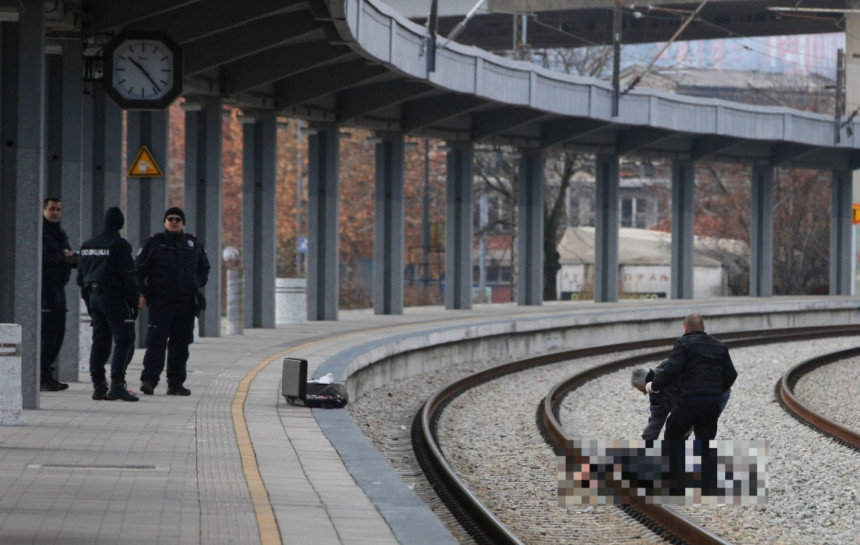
(57, 262)
(108, 280)
(173, 267)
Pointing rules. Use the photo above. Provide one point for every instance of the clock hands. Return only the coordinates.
(145, 73)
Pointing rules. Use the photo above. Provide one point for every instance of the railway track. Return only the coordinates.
(801, 411)
(480, 522)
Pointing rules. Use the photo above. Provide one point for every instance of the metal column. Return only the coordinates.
(147, 197)
(22, 101)
(606, 229)
(841, 249)
(530, 222)
(761, 232)
(68, 182)
(202, 205)
(259, 137)
(107, 157)
(388, 225)
(458, 226)
(683, 219)
(323, 221)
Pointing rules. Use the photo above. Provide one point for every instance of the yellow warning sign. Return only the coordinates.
(855, 213)
(144, 165)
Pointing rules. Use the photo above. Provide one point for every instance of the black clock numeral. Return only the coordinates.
(163, 82)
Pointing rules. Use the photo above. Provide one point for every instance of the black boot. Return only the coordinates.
(100, 390)
(118, 390)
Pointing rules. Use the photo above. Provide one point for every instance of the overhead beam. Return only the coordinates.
(193, 21)
(488, 123)
(638, 138)
(109, 14)
(276, 64)
(702, 147)
(788, 152)
(420, 113)
(325, 80)
(244, 40)
(559, 131)
(361, 101)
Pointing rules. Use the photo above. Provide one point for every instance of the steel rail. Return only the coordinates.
(806, 414)
(482, 525)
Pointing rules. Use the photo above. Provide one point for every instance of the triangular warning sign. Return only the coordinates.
(144, 165)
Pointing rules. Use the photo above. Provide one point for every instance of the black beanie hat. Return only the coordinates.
(174, 211)
(114, 220)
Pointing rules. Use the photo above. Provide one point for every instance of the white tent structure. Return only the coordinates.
(644, 264)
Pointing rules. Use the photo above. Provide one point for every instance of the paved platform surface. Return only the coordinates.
(231, 464)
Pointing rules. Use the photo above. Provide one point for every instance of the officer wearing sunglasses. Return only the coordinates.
(173, 267)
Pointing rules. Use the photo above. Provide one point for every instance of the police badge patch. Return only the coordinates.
(191, 243)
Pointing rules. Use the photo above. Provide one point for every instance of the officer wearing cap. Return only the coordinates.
(173, 267)
(108, 280)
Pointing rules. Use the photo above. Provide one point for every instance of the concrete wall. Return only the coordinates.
(366, 367)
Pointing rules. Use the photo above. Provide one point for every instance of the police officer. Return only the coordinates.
(108, 280)
(173, 267)
(57, 262)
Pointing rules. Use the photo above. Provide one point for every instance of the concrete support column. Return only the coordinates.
(683, 219)
(761, 232)
(841, 249)
(107, 157)
(85, 220)
(530, 224)
(147, 197)
(459, 226)
(259, 137)
(323, 221)
(22, 103)
(72, 196)
(203, 144)
(852, 94)
(388, 225)
(606, 229)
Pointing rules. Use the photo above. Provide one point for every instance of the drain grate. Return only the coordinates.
(127, 467)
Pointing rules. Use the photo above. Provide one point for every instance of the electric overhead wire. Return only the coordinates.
(821, 64)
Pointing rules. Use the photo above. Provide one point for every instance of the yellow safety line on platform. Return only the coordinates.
(266, 521)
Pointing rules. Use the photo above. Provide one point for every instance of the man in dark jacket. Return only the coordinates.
(57, 262)
(701, 365)
(108, 280)
(173, 267)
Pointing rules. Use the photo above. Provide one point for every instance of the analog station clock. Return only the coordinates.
(143, 70)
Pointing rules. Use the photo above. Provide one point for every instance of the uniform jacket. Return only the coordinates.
(106, 261)
(700, 364)
(172, 266)
(55, 270)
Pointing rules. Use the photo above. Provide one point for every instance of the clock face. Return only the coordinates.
(142, 70)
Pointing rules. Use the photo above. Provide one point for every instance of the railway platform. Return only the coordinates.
(235, 464)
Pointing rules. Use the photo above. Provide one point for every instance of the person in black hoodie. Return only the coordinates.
(107, 277)
(173, 267)
(57, 262)
(701, 365)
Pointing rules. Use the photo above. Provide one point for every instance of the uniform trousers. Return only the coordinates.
(170, 330)
(53, 333)
(112, 320)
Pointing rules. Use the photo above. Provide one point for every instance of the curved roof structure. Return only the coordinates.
(361, 63)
